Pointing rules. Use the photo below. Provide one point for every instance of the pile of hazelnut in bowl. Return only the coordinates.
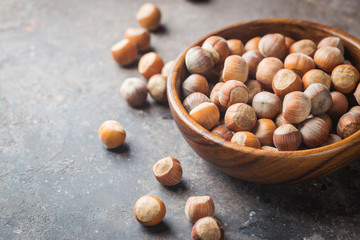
(276, 92)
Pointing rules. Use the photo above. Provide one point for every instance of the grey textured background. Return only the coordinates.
(58, 83)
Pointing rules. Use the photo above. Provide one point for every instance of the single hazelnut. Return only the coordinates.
(316, 76)
(218, 48)
(305, 46)
(331, 42)
(149, 210)
(345, 78)
(280, 120)
(326, 118)
(299, 62)
(286, 81)
(273, 45)
(252, 44)
(198, 207)
(357, 94)
(150, 63)
(327, 58)
(235, 68)
(168, 171)
(207, 228)
(269, 148)
(233, 92)
(223, 131)
(264, 130)
(240, 117)
(157, 88)
(266, 71)
(199, 60)
(252, 58)
(195, 83)
(339, 105)
(332, 138)
(320, 98)
(193, 100)
(236, 47)
(149, 16)
(214, 95)
(134, 91)
(355, 109)
(296, 107)
(165, 71)
(124, 52)
(314, 132)
(287, 138)
(266, 105)
(206, 114)
(139, 36)
(112, 134)
(348, 124)
(247, 139)
(254, 87)
(288, 42)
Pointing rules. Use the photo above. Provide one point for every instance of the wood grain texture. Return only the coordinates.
(258, 165)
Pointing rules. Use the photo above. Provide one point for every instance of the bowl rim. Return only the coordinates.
(176, 104)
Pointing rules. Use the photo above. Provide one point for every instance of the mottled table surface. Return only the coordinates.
(58, 83)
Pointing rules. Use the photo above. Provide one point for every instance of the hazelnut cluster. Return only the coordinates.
(274, 93)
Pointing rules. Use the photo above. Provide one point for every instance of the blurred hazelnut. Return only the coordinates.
(345, 78)
(305, 46)
(206, 114)
(149, 16)
(327, 58)
(199, 60)
(214, 95)
(266, 105)
(252, 44)
(168, 171)
(134, 91)
(316, 76)
(139, 36)
(332, 138)
(314, 132)
(252, 58)
(236, 47)
(280, 120)
(247, 139)
(193, 100)
(320, 98)
(273, 45)
(355, 109)
(124, 52)
(235, 68)
(157, 88)
(198, 207)
(339, 105)
(286, 81)
(240, 117)
(149, 210)
(195, 83)
(288, 42)
(218, 48)
(332, 42)
(112, 134)
(233, 92)
(150, 63)
(299, 62)
(165, 71)
(266, 71)
(287, 138)
(296, 107)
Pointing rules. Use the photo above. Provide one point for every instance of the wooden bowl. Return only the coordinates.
(255, 165)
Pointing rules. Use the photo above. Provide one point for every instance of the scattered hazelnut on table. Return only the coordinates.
(112, 134)
(207, 228)
(168, 171)
(149, 210)
(124, 52)
(157, 88)
(198, 207)
(149, 16)
(134, 91)
(149, 64)
(139, 36)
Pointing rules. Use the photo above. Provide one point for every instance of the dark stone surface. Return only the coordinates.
(58, 83)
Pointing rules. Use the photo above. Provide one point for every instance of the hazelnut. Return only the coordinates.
(247, 139)
(331, 42)
(332, 138)
(252, 58)
(193, 100)
(339, 105)
(345, 78)
(236, 47)
(195, 83)
(280, 120)
(264, 130)
(206, 114)
(288, 42)
(150, 63)
(355, 109)
(252, 44)
(273, 45)
(198, 207)
(134, 91)
(316, 76)
(168, 171)
(240, 117)
(266, 71)
(314, 132)
(327, 58)
(112, 134)
(139, 36)
(348, 124)
(326, 118)
(296, 107)
(233, 92)
(305, 46)
(254, 87)
(266, 105)
(149, 16)
(269, 148)
(124, 52)
(223, 131)
(157, 88)
(207, 228)
(320, 98)
(214, 95)
(218, 48)
(299, 62)
(357, 94)
(165, 71)
(149, 210)
(287, 138)
(286, 81)
(235, 68)
(199, 60)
